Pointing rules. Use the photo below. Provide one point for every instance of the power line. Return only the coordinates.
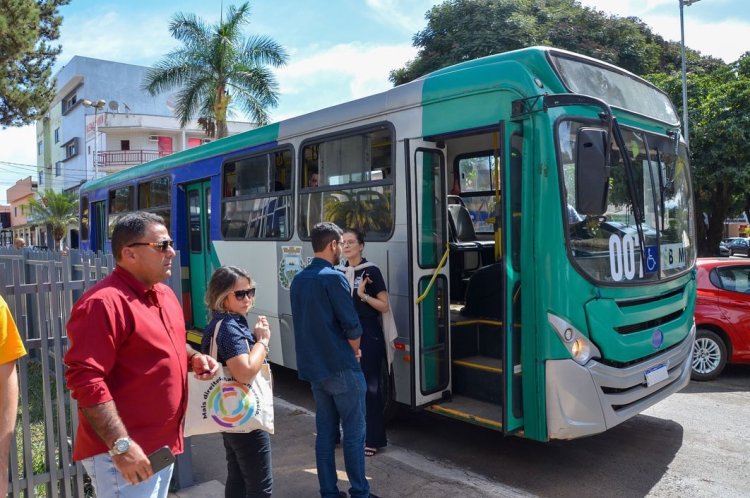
(21, 168)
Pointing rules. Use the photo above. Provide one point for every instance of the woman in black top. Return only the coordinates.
(370, 300)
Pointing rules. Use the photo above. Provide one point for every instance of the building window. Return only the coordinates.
(57, 135)
(71, 148)
(124, 144)
(58, 168)
(69, 102)
(39, 148)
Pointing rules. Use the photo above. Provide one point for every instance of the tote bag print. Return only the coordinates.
(224, 405)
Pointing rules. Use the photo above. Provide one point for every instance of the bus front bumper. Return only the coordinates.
(588, 399)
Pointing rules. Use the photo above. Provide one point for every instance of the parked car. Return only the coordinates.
(722, 316)
(738, 245)
(724, 250)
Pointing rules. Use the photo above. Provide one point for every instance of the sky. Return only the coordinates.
(339, 50)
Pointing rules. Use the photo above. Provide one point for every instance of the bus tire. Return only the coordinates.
(709, 355)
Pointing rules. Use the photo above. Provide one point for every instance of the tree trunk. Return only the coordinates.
(717, 213)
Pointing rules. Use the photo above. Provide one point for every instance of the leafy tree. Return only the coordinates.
(57, 210)
(461, 30)
(216, 69)
(26, 58)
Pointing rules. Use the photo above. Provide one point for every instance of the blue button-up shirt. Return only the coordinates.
(324, 321)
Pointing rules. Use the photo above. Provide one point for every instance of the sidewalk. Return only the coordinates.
(394, 472)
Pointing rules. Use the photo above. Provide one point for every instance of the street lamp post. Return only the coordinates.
(97, 105)
(683, 4)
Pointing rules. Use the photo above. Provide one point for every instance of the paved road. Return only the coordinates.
(694, 444)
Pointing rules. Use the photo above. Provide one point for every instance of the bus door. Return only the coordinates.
(199, 247)
(98, 235)
(429, 337)
(513, 193)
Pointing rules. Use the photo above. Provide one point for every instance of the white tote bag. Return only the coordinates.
(222, 404)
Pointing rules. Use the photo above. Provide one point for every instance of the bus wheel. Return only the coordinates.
(390, 407)
(709, 355)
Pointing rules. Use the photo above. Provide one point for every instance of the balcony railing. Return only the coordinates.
(115, 158)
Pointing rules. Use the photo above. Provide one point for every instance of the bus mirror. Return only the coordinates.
(592, 171)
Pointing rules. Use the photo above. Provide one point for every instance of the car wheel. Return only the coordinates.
(709, 355)
(731, 253)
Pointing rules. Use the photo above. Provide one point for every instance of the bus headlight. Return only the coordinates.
(581, 349)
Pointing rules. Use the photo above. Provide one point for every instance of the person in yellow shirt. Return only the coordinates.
(11, 348)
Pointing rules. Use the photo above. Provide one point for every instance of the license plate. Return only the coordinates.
(656, 374)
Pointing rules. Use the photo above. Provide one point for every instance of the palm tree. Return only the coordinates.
(217, 67)
(57, 210)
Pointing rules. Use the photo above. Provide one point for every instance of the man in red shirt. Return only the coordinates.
(127, 364)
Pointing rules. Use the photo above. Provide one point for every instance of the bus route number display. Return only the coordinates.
(624, 265)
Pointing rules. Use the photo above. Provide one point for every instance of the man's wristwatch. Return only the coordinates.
(365, 298)
(122, 445)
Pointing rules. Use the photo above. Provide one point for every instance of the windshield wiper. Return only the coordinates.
(632, 188)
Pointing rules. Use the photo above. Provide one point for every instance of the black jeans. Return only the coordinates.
(249, 473)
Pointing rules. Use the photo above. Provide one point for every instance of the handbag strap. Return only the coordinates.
(214, 350)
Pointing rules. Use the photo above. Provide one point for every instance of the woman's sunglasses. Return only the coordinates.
(242, 294)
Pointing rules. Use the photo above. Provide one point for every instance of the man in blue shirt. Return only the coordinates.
(327, 334)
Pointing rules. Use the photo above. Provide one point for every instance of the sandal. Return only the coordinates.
(370, 451)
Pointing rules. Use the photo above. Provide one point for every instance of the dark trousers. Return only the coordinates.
(249, 473)
(373, 355)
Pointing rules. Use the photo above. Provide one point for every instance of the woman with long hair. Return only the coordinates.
(230, 295)
(370, 300)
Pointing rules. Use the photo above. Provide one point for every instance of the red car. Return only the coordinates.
(722, 316)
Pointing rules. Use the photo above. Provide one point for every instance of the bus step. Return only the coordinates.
(471, 410)
(479, 377)
(194, 337)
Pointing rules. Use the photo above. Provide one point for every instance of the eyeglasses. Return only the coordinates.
(163, 245)
(242, 294)
(348, 243)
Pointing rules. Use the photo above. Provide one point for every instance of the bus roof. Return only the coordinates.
(539, 77)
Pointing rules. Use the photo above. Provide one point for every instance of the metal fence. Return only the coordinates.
(40, 288)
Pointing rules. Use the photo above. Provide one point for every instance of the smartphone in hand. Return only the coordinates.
(161, 459)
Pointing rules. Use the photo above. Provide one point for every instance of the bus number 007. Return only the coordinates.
(622, 261)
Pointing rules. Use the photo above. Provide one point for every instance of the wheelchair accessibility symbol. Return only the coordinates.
(652, 259)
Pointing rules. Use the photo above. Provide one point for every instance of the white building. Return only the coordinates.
(102, 121)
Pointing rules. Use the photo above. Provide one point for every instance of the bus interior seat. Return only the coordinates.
(467, 253)
(455, 199)
(484, 293)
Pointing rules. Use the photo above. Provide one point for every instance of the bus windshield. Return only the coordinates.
(617, 88)
(608, 248)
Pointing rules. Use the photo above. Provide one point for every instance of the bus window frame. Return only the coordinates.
(131, 186)
(388, 181)
(84, 207)
(481, 234)
(287, 193)
(157, 210)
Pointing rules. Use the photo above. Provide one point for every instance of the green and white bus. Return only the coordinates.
(531, 212)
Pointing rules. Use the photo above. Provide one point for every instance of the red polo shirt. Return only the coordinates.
(127, 344)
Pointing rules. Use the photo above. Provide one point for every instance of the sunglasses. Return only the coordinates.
(242, 294)
(163, 245)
